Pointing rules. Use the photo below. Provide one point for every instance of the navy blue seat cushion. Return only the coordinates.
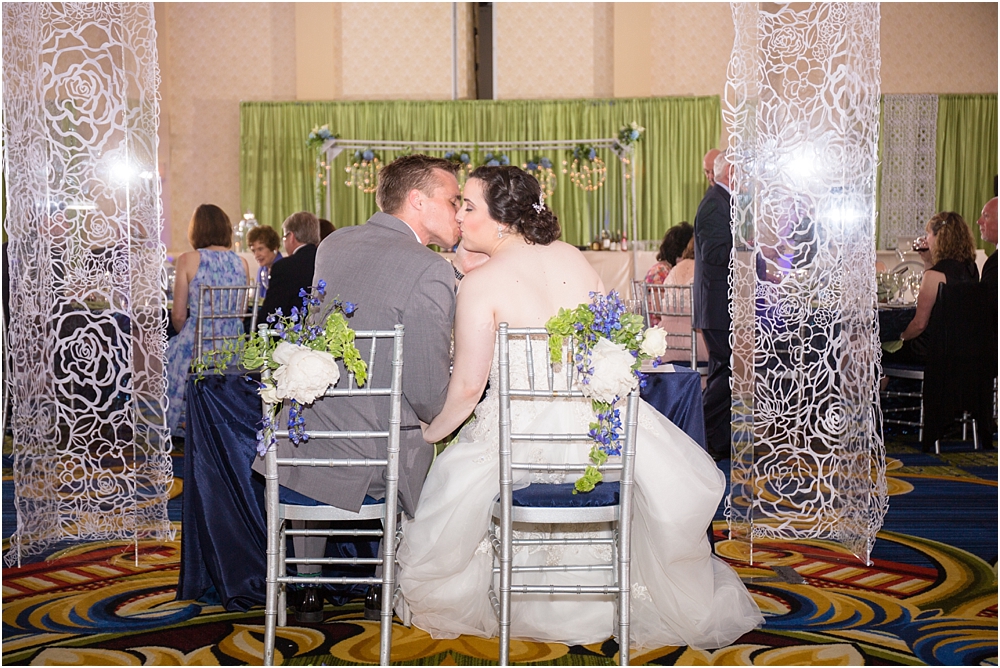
(292, 498)
(562, 496)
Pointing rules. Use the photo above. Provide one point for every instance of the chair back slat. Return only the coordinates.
(221, 310)
(671, 307)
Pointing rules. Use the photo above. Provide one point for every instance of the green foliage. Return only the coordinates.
(216, 361)
(564, 325)
(592, 476)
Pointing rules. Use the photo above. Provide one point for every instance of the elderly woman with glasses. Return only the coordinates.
(264, 243)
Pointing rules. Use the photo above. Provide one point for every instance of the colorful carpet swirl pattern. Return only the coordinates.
(930, 597)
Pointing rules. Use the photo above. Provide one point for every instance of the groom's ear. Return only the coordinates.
(416, 199)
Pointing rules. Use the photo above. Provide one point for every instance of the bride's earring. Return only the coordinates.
(499, 232)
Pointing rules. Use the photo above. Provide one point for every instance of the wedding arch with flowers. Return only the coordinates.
(619, 150)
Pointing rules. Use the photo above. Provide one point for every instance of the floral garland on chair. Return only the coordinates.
(609, 347)
(301, 362)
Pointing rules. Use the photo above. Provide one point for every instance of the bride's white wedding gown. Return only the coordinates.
(681, 593)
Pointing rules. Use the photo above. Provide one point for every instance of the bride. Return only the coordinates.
(682, 593)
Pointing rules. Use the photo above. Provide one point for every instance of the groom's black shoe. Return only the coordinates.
(373, 603)
(310, 606)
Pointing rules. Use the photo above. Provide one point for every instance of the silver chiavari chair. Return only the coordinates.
(660, 302)
(221, 310)
(280, 514)
(559, 505)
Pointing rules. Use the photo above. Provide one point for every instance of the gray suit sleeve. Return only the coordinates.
(427, 323)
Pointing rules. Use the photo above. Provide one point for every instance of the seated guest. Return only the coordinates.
(264, 242)
(953, 254)
(212, 263)
(674, 241)
(682, 274)
(294, 272)
(683, 271)
(326, 228)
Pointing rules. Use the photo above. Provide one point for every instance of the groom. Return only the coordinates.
(386, 269)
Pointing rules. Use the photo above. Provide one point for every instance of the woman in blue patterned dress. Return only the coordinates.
(211, 264)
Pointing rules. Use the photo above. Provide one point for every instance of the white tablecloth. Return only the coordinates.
(614, 267)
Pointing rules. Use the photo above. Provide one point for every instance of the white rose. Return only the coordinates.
(654, 342)
(269, 393)
(304, 373)
(613, 376)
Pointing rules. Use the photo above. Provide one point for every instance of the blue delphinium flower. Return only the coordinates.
(368, 155)
(464, 158)
(532, 166)
(592, 154)
(546, 163)
(449, 155)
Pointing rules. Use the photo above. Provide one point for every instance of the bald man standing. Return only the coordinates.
(708, 166)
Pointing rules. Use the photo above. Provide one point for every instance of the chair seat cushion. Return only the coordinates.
(562, 496)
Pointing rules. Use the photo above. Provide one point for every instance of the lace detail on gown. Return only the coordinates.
(683, 595)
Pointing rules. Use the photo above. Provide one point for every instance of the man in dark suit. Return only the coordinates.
(294, 271)
(713, 243)
(988, 228)
(708, 166)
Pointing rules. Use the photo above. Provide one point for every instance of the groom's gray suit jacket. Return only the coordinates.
(383, 268)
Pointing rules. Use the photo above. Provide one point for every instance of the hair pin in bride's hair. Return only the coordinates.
(540, 205)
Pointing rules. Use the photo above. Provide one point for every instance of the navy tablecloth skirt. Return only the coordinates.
(223, 526)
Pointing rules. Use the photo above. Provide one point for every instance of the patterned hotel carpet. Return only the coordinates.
(930, 597)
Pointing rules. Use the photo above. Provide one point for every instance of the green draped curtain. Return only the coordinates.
(966, 156)
(277, 169)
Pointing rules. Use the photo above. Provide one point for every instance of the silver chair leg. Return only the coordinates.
(388, 586)
(506, 552)
(920, 433)
(282, 587)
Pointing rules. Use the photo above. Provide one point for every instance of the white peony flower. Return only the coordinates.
(654, 342)
(304, 373)
(613, 375)
(269, 393)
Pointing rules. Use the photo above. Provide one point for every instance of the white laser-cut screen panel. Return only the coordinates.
(87, 334)
(802, 105)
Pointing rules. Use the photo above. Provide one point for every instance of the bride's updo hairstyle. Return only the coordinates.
(513, 198)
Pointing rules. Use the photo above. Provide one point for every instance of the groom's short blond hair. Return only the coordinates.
(402, 175)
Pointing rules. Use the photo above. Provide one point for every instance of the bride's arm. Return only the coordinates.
(474, 337)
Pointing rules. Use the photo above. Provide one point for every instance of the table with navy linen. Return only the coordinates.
(892, 321)
(223, 520)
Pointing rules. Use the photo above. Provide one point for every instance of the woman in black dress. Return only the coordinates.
(953, 258)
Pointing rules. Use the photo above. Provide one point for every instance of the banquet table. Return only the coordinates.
(223, 536)
(616, 268)
(892, 320)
